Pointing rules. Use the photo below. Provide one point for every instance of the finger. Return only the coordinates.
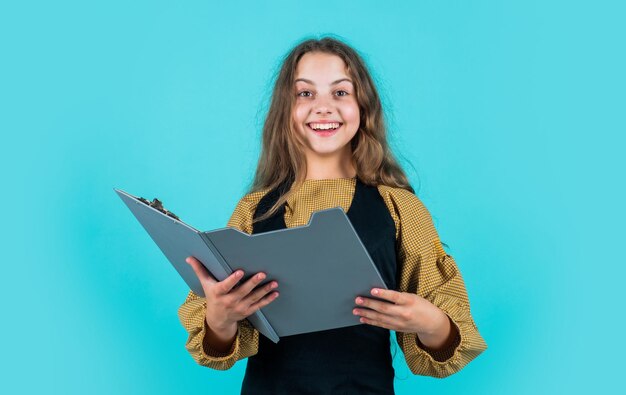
(388, 294)
(263, 302)
(244, 289)
(370, 316)
(207, 279)
(201, 272)
(378, 305)
(227, 284)
(257, 294)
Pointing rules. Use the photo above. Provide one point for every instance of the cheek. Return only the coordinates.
(351, 113)
(300, 114)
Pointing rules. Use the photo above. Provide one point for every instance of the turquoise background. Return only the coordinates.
(509, 117)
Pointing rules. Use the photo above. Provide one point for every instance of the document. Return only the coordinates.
(320, 267)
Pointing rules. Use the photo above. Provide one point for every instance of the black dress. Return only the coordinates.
(349, 360)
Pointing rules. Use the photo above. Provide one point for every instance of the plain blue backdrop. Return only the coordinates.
(508, 117)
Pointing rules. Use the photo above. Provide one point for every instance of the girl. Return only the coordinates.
(324, 145)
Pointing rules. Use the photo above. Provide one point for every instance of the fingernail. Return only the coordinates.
(359, 300)
(239, 273)
(375, 291)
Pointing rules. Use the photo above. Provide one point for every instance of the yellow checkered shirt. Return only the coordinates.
(420, 255)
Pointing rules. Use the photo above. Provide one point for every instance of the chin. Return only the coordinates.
(325, 151)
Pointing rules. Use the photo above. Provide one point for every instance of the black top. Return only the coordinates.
(349, 360)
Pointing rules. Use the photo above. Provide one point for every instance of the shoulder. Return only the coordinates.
(244, 210)
(251, 200)
(406, 209)
(397, 193)
(402, 200)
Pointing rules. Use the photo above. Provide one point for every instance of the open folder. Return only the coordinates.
(320, 267)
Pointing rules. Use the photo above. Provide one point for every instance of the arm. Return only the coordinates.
(427, 271)
(192, 315)
(220, 350)
(444, 337)
(448, 295)
(220, 341)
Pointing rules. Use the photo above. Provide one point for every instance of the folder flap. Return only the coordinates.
(320, 268)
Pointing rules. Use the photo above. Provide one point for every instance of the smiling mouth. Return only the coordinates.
(324, 129)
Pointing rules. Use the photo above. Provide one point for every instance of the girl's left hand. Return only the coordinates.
(407, 312)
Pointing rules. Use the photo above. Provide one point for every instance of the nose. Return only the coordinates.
(323, 107)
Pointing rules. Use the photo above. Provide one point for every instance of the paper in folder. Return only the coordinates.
(320, 267)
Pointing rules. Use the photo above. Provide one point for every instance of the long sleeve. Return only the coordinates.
(192, 312)
(428, 271)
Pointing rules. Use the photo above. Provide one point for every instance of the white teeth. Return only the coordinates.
(324, 126)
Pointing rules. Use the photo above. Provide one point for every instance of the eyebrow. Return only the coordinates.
(332, 83)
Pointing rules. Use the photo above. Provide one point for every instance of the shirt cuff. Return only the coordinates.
(212, 354)
(443, 354)
(443, 363)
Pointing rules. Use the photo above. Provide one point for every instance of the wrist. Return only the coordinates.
(436, 322)
(222, 332)
(436, 334)
(218, 343)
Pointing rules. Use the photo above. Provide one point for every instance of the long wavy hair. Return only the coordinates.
(282, 163)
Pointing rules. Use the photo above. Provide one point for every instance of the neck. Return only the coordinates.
(322, 168)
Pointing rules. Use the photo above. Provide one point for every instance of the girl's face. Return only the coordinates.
(326, 113)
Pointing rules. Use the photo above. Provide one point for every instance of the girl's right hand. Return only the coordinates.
(225, 305)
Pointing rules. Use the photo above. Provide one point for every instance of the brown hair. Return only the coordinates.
(282, 160)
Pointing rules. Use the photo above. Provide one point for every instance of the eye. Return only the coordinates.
(342, 91)
(304, 93)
